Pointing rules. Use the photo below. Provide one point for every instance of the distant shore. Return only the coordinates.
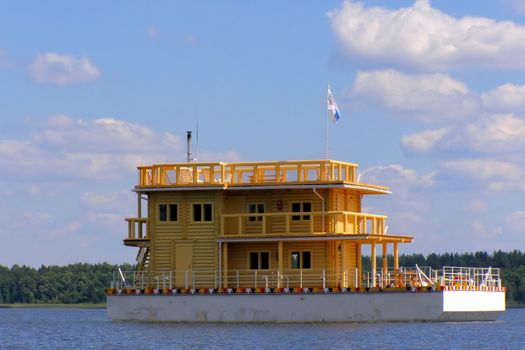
(48, 306)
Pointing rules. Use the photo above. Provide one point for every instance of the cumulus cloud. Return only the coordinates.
(424, 97)
(484, 232)
(424, 141)
(397, 177)
(493, 134)
(485, 169)
(426, 37)
(67, 148)
(62, 70)
(507, 97)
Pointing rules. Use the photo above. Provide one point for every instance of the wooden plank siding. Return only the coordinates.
(199, 239)
(165, 236)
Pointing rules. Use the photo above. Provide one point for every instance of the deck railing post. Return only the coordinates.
(266, 281)
(237, 279)
(278, 279)
(301, 278)
(192, 279)
(324, 279)
(186, 279)
(255, 277)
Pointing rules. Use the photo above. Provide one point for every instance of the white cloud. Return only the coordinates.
(397, 176)
(424, 141)
(502, 134)
(497, 133)
(426, 37)
(56, 69)
(517, 6)
(66, 148)
(485, 169)
(507, 97)
(425, 97)
(516, 221)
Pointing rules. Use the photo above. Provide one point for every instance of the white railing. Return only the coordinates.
(403, 277)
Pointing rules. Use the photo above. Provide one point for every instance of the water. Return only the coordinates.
(91, 329)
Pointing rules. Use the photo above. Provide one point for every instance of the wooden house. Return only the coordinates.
(258, 224)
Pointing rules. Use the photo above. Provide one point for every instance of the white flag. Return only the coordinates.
(332, 106)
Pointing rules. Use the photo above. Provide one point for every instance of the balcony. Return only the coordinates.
(247, 174)
(301, 223)
(137, 232)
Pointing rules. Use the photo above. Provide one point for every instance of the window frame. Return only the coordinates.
(256, 206)
(202, 213)
(169, 207)
(259, 260)
(302, 209)
(301, 255)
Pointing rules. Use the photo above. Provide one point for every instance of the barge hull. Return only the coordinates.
(310, 307)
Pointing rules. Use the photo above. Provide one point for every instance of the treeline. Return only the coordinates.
(86, 283)
(71, 284)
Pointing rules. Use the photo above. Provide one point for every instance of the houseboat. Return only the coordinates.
(279, 241)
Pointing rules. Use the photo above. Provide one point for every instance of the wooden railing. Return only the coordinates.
(289, 223)
(137, 228)
(200, 174)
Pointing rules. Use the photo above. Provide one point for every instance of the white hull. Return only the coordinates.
(310, 307)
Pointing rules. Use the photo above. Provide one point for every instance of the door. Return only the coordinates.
(183, 265)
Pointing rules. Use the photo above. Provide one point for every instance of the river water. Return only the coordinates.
(91, 329)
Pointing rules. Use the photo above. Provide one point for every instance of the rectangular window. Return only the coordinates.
(254, 261)
(168, 212)
(259, 260)
(255, 208)
(301, 260)
(296, 260)
(163, 212)
(173, 212)
(202, 212)
(305, 207)
(264, 260)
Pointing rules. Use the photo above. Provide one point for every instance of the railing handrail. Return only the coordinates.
(292, 213)
(399, 278)
(238, 173)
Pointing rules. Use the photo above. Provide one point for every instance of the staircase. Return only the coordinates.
(143, 259)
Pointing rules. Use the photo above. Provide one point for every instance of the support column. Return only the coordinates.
(344, 270)
(396, 256)
(373, 262)
(359, 266)
(219, 273)
(139, 205)
(384, 270)
(225, 264)
(280, 259)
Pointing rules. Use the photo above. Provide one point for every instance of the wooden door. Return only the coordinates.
(183, 265)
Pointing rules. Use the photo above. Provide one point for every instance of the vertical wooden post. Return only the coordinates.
(396, 256)
(139, 205)
(359, 265)
(374, 263)
(280, 259)
(344, 267)
(385, 264)
(225, 265)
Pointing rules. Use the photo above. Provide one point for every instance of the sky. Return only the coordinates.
(431, 95)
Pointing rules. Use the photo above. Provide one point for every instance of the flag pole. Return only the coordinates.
(326, 126)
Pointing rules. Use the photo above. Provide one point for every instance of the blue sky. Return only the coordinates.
(432, 96)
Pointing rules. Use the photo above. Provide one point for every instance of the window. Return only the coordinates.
(305, 207)
(255, 208)
(259, 260)
(168, 212)
(203, 212)
(301, 260)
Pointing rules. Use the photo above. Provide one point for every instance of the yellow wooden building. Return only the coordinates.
(258, 224)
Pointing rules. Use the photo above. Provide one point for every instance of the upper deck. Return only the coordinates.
(243, 175)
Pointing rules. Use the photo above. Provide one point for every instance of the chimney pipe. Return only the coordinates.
(188, 155)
